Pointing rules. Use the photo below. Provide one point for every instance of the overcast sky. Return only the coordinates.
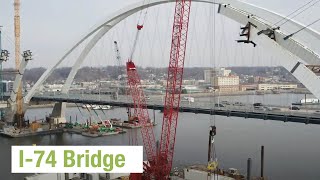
(51, 27)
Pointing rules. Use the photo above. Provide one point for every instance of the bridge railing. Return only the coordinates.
(156, 101)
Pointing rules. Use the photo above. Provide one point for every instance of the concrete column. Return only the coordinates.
(58, 112)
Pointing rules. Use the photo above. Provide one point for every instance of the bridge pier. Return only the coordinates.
(58, 114)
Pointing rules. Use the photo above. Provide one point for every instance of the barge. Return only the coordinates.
(131, 124)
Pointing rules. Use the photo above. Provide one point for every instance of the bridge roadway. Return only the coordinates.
(246, 111)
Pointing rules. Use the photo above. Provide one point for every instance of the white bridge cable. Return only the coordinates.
(314, 22)
(192, 37)
(288, 18)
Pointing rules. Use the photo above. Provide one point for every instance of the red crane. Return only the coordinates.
(174, 83)
(161, 162)
(141, 111)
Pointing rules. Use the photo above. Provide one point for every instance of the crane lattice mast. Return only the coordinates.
(19, 114)
(141, 111)
(160, 162)
(174, 86)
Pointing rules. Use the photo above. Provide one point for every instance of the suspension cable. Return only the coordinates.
(79, 110)
(287, 37)
(287, 19)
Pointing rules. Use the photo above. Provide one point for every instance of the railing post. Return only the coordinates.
(249, 169)
(262, 161)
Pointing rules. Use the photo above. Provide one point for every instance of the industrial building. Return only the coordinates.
(210, 74)
(266, 87)
(227, 83)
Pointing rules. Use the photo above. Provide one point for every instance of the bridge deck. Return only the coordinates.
(197, 108)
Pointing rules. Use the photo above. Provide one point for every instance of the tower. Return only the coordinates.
(19, 115)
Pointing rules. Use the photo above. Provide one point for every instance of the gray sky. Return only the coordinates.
(50, 28)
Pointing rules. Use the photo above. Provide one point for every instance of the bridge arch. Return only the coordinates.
(236, 10)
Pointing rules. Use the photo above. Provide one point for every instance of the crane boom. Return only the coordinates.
(119, 70)
(141, 111)
(174, 86)
(19, 113)
(118, 57)
(160, 160)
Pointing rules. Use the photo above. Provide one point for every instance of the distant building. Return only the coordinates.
(248, 87)
(192, 89)
(209, 74)
(7, 86)
(86, 84)
(224, 72)
(53, 87)
(189, 82)
(256, 79)
(265, 87)
(227, 83)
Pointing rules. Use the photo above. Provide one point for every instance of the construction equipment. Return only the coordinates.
(118, 57)
(141, 111)
(19, 113)
(212, 160)
(160, 160)
(14, 106)
(119, 72)
(174, 87)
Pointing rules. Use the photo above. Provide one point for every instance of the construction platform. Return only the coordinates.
(100, 134)
(18, 133)
(131, 126)
(41, 129)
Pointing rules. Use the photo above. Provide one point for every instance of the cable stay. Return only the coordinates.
(79, 110)
(104, 124)
(289, 36)
(287, 19)
(270, 32)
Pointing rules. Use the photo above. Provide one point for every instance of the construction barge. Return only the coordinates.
(50, 126)
(132, 123)
(93, 130)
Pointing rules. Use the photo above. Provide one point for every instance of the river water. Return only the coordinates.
(292, 151)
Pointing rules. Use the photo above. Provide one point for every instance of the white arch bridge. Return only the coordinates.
(298, 54)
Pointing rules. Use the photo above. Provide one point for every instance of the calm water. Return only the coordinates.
(292, 150)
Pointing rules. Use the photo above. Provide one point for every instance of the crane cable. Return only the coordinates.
(287, 19)
(140, 23)
(213, 162)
